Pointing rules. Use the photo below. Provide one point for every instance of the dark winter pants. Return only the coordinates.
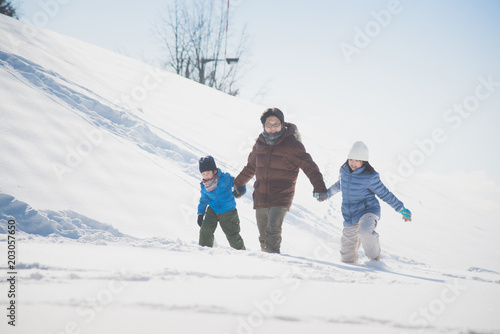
(269, 222)
(230, 223)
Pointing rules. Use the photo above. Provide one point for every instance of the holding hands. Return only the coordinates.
(239, 191)
(321, 196)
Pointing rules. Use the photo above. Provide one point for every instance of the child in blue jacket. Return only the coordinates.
(217, 195)
(359, 184)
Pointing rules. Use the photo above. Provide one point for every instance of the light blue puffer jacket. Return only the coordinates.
(220, 199)
(358, 194)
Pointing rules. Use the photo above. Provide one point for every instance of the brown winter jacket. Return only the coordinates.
(276, 168)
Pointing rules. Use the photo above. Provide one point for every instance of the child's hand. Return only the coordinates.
(200, 220)
(238, 192)
(321, 196)
(406, 214)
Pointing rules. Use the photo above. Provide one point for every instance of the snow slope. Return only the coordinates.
(98, 162)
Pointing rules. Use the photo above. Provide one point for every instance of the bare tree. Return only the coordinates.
(8, 9)
(193, 34)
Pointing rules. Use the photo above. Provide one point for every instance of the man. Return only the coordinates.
(275, 160)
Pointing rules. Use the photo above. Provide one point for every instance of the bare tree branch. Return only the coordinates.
(193, 34)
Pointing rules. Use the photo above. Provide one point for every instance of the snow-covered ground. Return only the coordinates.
(98, 168)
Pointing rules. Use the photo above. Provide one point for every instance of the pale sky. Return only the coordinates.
(421, 71)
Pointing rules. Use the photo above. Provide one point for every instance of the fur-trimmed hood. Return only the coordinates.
(291, 130)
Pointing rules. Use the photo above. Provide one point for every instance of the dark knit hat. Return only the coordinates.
(272, 112)
(207, 163)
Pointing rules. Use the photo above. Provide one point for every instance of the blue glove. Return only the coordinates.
(406, 214)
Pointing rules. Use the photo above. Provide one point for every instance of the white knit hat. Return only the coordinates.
(359, 151)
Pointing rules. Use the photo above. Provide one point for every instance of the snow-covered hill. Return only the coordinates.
(98, 168)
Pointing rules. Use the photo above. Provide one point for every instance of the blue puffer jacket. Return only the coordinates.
(358, 194)
(220, 199)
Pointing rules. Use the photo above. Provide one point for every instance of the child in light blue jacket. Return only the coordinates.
(359, 183)
(217, 195)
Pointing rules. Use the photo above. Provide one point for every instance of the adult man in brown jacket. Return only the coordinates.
(275, 161)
